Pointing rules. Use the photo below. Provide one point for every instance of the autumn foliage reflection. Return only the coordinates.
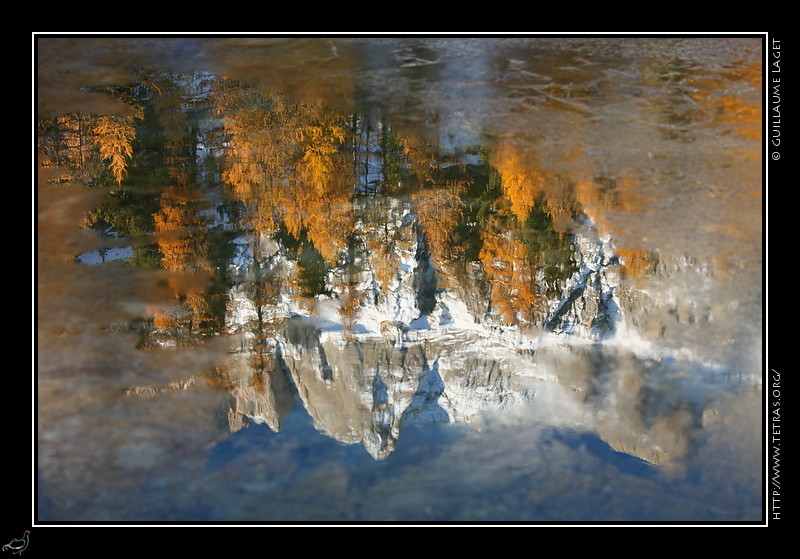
(512, 276)
(295, 170)
(349, 204)
(288, 165)
(89, 147)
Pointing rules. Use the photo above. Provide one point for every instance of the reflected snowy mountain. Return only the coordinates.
(413, 352)
(394, 365)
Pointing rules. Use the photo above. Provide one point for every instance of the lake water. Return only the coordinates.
(399, 280)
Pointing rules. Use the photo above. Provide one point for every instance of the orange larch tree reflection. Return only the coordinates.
(87, 146)
(184, 250)
(525, 184)
(513, 279)
(289, 167)
(438, 211)
(522, 182)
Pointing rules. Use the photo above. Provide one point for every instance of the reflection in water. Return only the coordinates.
(335, 260)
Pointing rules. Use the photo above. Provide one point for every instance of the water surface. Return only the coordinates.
(399, 280)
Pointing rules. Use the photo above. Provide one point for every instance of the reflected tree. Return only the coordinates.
(514, 291)
(288, 165)
(92, 149)
(114, 137)
(438, 211)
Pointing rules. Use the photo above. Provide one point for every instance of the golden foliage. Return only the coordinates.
(85, 143)
(263, 139)
(420, 156)
(524, 183)
(386, 260)
(182, 249)
(521, 182)
(286, 163)
(321, 141)
(174, 224)
(327, 229)
(512, 277)
(438, 211)
(114, 136)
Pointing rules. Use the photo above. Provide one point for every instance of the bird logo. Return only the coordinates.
(18, 545)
